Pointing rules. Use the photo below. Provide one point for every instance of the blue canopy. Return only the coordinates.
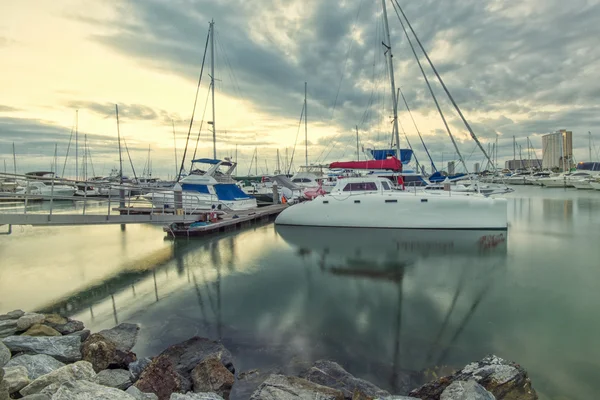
(405, 154)
(211, 161)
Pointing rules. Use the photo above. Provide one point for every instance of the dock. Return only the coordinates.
(229, 221)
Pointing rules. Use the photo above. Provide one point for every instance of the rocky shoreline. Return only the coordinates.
(50, 357)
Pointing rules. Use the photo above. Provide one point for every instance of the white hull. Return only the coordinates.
(555, 182)
(595, 185)
(582, 185)
(399, 210)
(518, 181)
(198, 201)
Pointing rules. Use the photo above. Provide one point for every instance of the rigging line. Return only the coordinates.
(295, 141)
(89, 154)
(68, 147)
(430, 88)
(417, 128)
(473, 136)
(130, 161)
(202, 122)
(194, 109)
(409, 146)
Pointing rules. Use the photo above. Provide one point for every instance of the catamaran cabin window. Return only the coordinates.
(360, 187)
(385, 185)
(303, 180)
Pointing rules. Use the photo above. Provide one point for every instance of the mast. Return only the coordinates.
(392, 83)
(278, 165)
(496, 154)
(514, 149)
(212, 84)
(305, 128)
(174, 146)
(55, 159)
(256, 163)
(85, 157)
(590, 144)
(357, 152)
(119, 139)
(14, 159)
(76, 144)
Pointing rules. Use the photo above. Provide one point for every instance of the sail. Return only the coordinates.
(391, 163)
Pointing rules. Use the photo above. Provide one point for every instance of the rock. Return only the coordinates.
(248, 381)
(8, 327)
(83, 335)
(139, 395)
(280, 387)
(123, 335)
(28, 320)
(37, 396)
(36, 365)
(397, 398)
(4, 391)
(16, 378)
(471, 390)
(63, 348)
(212, 376)
(77, 371)
(123, 359)
(117, 378)
(161, 378)
(16, 314)
(505, 380)
(99, 351)
(331, 374)
(41, 330)
(137, 367)
(195, 396)
(186, 355)
(84, 390)
(4, 354)
(63, 325)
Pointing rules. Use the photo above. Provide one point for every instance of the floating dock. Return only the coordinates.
(229, 221)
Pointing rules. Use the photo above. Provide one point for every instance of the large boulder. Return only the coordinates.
(37, 396)
(99, 351)
(63, 348)
(36, 365)
(63, 325)
(185, 356)
(280, 387)
(471, 390)
(137, 367)
(248, 381)
(195, 396)
(117, 378)
(16, 378)
(123, 335)
(16, 314)
(28, 320)
(4, 390)
(161, 378)
(8, 327)
(41, 330)
(4, 354)
(139, 395)
(505, 380)
(83, 335)
(331, 374)
(85, 390)
(77, 371)
(212, 376)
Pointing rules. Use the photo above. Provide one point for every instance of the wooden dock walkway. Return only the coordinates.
(228, 222)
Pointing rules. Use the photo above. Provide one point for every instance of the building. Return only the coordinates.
(557, 150)
(514, 165)
(476, 168)
(450, 167)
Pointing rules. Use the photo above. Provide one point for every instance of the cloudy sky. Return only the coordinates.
(522, 68)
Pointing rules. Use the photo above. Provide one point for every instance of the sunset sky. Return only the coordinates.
(523, 68)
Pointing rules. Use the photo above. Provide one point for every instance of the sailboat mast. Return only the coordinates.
(174, 147)
(212, 85)
(590, 144)
(14, 159)
(514, 149)
(76, 144)
(392, 83)
(278, 166)
(119, 139)
(305, 128)
(357, 152)
(55, 159)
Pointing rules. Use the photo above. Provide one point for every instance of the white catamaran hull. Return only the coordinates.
(199, 201)
(399, 210)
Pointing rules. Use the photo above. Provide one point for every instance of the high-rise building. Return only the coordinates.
(450, 167)
(514, 165)
(557, 150)
(476, 168)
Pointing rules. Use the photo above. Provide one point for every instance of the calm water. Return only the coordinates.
(387, 305)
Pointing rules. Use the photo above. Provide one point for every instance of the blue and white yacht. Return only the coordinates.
(203, 189)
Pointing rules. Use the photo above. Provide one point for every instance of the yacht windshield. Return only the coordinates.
(360, 187)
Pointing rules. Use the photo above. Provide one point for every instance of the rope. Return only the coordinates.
(295, 141)
(417, 128)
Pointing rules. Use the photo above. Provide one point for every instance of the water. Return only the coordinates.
(387, 305)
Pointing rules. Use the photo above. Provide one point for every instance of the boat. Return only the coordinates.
(371, 202)
(44, 183)
(583, 184)
(595, 184)
(263, 191)
(534, 178)
(203, 189)
(518, 178)
(565, 179)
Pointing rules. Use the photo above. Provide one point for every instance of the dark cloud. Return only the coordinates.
(4, 108)
(134, 112)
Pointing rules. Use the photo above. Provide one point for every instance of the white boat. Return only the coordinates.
(370, 202)
(595, 184)
(201, 190)
(583, 184)
(519, 178)
(534, 178)
(46, 189)
(563, 180)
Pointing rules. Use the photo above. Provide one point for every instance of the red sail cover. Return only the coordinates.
(391, 163)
